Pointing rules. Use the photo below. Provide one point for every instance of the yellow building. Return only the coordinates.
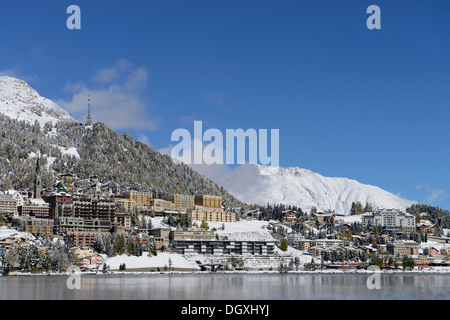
(127, 204)
(35, 225)
(211, 214)
(208, 201)
(445, 251)
(183, 203)
(142, 199)
(162, 206)
(79, 252)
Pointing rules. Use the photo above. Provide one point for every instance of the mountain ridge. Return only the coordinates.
(20, 101)
(306, 189)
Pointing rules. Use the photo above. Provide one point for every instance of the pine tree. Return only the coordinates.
(121, 244)
(204, 225)
(359, 208)
(353, 209)
(368, 207)
(116, 245)
(284, 245)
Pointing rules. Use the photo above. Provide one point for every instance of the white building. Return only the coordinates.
(390, 220)
(8, 205)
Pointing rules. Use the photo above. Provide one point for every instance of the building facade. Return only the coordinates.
(220, 247)
(192, 234)
(161, 233)
(161, 206)
(35, 225)
(42, 211)
(390, 220)
(82, 231)
(182, 203)
(8, 205)
(93, 208)
(211, 214)
(208, 201)
(127, 204)
(401, 248)
(142, 199)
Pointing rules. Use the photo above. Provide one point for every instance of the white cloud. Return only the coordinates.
(116, 99)
(238, 180)
(109, 75)
(434, 194)
(105, 75)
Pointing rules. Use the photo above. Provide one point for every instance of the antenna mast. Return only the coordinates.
(89, 119)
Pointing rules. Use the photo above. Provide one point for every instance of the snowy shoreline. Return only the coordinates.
(243, 272)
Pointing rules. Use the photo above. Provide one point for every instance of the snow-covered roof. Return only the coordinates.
(37, 201)
(13, 233)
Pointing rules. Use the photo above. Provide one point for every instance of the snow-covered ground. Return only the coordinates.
(350, 219)
(242, 230)
(145, 261)
(72, 151)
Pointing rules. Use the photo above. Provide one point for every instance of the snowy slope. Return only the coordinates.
(242, 230)
(304, 188)
(148, 262)
(19, 101)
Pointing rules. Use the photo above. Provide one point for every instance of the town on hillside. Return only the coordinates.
(79, 222)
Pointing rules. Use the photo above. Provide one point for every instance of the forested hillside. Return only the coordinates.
(70, 147)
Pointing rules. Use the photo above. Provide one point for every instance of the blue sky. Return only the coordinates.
(371, 105)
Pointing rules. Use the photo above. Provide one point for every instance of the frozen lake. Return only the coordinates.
(207, 286)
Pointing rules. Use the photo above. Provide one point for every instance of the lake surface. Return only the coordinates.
(207, 286)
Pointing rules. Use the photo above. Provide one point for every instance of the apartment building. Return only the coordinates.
(38, 211)
(220, 247)
(192, 234)
(161, 233)
(161, 206)
(8, 205)
(182, 203)
(83, 231)
(401, 248)
(142, 199)
(305, 244)
(56, 201)
(93, 208)
(390, 220)
(208, 201)
(127, 204)
(211, 214)
(35, 225)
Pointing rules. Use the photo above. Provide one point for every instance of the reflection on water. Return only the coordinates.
(227, 287)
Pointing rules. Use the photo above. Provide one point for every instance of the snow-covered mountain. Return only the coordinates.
(19, 101)
(304, 188)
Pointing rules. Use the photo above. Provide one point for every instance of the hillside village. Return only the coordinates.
(55, 213)
(81, 222)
